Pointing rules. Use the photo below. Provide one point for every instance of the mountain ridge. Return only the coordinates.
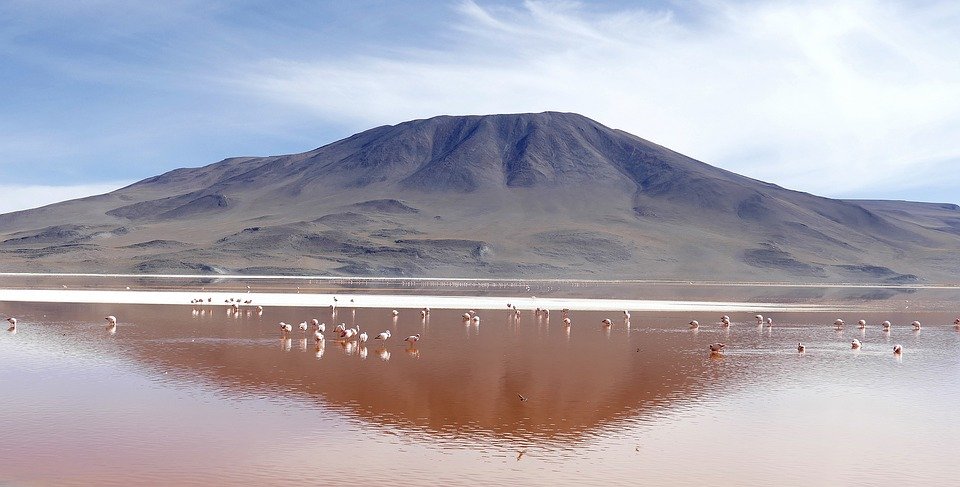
(535, 195)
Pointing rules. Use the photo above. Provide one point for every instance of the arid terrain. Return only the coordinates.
(548, 195)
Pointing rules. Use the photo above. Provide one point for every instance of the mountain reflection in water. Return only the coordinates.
(227, 388)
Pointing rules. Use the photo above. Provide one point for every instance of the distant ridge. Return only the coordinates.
(522, 195)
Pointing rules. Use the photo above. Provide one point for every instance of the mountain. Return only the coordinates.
(547, 195)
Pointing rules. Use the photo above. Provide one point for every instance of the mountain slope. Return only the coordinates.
(527, 195)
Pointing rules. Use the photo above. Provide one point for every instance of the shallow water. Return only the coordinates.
(179, 396)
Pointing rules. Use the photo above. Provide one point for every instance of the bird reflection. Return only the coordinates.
(362, 353)
(303, 344)
(320, 349)
(413, 351)
(384, 354)
(349, 348)
(286, 344)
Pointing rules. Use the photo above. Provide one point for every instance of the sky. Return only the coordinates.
(840, 98)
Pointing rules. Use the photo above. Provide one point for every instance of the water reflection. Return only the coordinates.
(583, 389)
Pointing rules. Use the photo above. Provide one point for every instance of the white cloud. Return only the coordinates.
(15, 198)
(833, 97)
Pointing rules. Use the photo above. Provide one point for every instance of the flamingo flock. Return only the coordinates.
(838, 324)
(360, 337)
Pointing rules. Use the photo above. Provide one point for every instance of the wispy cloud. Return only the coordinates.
(849, 97)
(17, 198)
(840, 98)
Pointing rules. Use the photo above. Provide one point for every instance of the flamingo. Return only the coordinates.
(321, 327)
(340, 328)
(395, 312)
(855, 344)
(349, 333)
(838, 323)
(303, 326)
(466, 316)
(412, 339)
(769, 321)
(956, 321)
(916, 326)
(800, 347)
(606, 322)
(111, 323)
(759, 319)
(362, 338)
(886, 325)
(897, 349)
(626, 315)
(476, 319)
(861, 324)
(13, 324)
(566, 321)
(318, 336)
(694, 325)
(285, 328)
(716, 348)
(725, 320)
(383, 335)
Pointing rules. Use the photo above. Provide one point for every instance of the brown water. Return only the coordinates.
(182, 397)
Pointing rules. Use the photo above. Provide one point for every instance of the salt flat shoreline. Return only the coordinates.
(358, 300)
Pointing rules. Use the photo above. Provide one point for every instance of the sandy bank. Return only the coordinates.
(387, 301)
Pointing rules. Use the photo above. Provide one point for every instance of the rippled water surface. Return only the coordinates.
(183, 396)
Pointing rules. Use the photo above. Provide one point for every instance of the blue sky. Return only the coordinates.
(848, 98)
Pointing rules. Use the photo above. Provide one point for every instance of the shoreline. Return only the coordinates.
(472, 280)
(274, 299)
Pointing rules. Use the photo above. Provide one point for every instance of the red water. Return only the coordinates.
(183, 397)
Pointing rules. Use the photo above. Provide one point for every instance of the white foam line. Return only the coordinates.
(388, 301)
